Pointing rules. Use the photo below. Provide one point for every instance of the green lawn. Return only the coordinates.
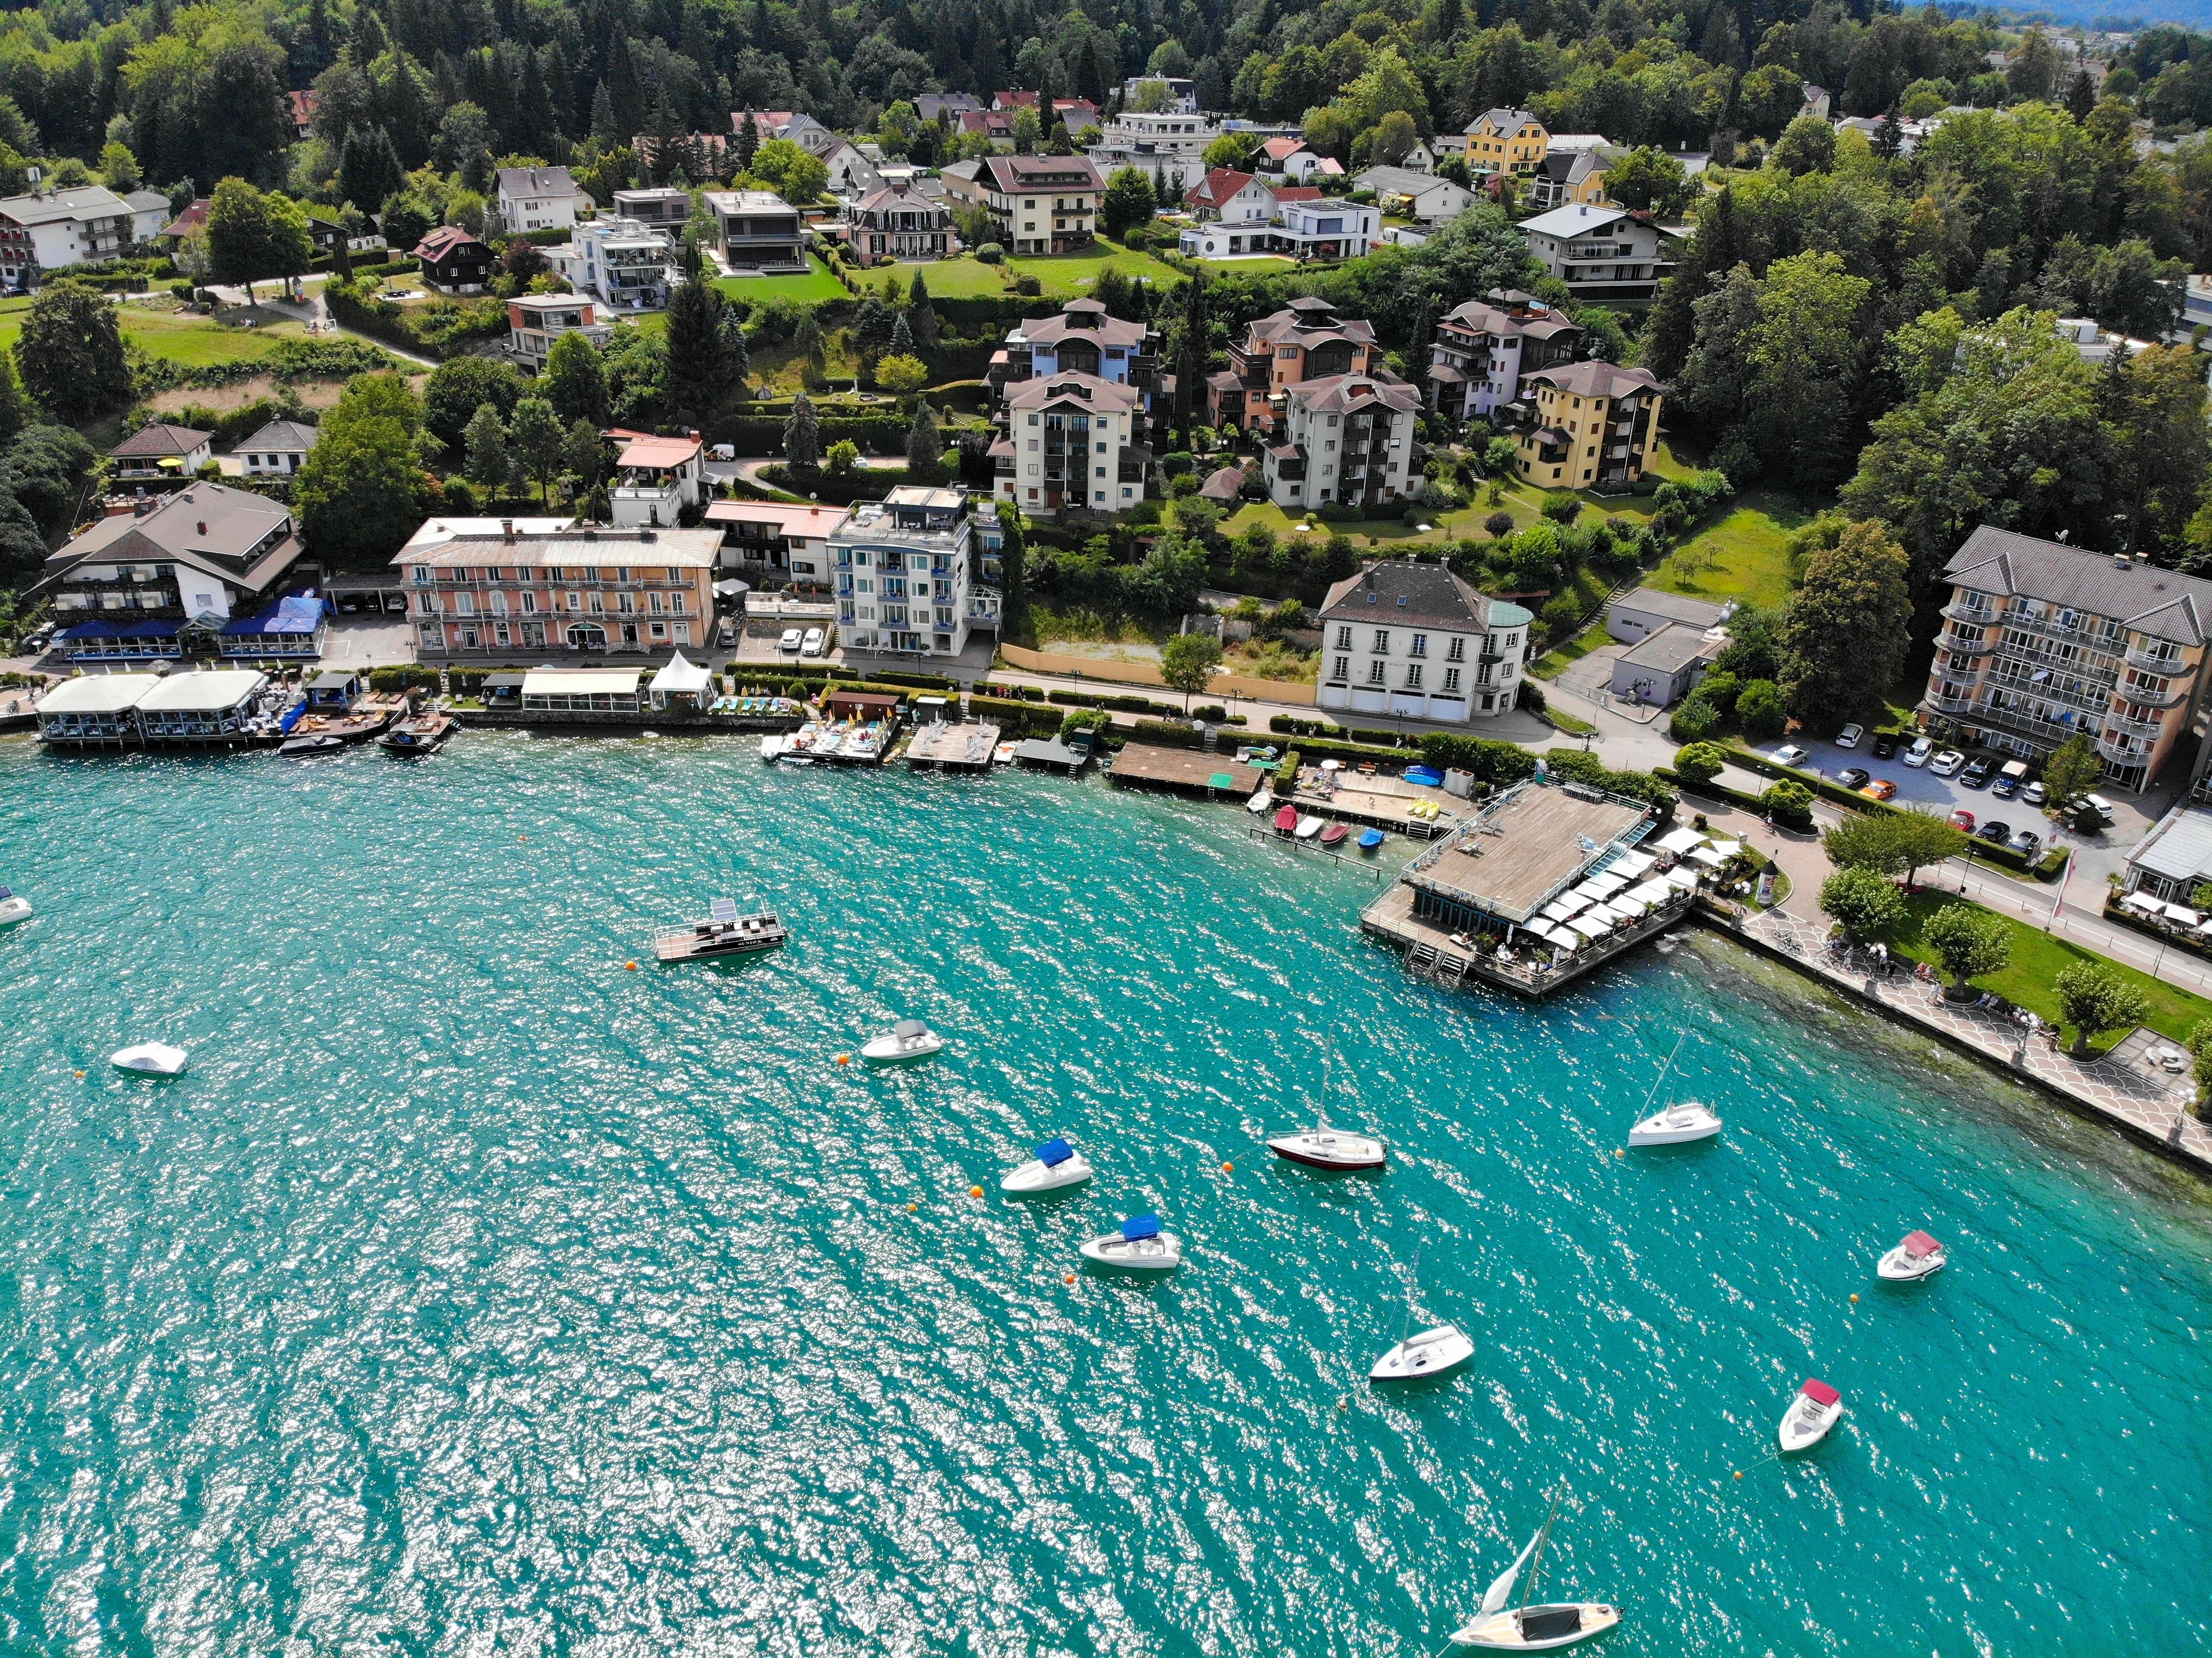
(1744, 555)
(817, 287)
(2037, 958)
(182, 336)
(1557, 661)
(1062, 276)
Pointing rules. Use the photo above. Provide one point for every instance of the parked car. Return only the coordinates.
(1978, 772)
(1881, 789)
(1848, 737)
(2006, 786)
(1885, 745)
(812, 643)
(1854, 777)
(1945, 764)
(1996, 831)
(2101, 806)
(1791, 755)
(1963, 819)
(1918, 753)
(2027, 840)
(728, 638)
(790, 640)
(2035, 794)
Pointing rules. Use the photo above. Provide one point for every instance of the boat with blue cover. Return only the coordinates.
(1056, 1166)
(1139, 1247)
(1369, 839)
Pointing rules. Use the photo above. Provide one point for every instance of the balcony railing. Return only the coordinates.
(1958, 611)
(2149, 730)
(1966, 644)
(2139, 656)
(2116, 749)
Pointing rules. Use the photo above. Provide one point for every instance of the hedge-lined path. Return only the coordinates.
(311, 309)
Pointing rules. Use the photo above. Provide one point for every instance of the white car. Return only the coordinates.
(1918, 753)
(790, 640)
(1948, 764)
(1791, 755)
(813, 643)
(1848, 737)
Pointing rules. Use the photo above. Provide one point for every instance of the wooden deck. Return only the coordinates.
(960, 748)
(1524, 850)
(1431, 949)
(1185, 771)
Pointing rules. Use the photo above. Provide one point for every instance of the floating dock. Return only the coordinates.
(1183, 771)
(952, 747)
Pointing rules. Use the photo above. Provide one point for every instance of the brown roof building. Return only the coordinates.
(1305, 340)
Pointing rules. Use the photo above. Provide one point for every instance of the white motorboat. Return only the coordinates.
(14, 908)
(1262, 798)
(1817, 1408)
(1680, 1120)
(1139, 1247)
(151, 1060)
(774, 745)
(1541, 1627)
(1918, 1257)
(1309, 826)
(909, 1039)
(1329, 1148)
(1436, 1350)
(1056, 1166)
(1003, 755)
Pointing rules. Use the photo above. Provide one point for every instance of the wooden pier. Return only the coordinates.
(952, 747)
(1183, 771)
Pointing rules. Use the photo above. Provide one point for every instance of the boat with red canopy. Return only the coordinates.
(1287, 821)
(1817, 1408)
(1915, 1259)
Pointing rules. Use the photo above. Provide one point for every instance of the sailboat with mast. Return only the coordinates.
(1533, 1626)
(1680, 1120)
(1329, 1150)
(1436, 1350)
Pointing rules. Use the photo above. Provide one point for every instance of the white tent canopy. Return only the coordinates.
(1655, 891)
(1727, 848)
(1708, 856)
(1631, 864)
(1590, 927)
(1567, 906)
(681, 679)
(1681, 878)
(2182, 914)
(2143, 902)
(1681, 840)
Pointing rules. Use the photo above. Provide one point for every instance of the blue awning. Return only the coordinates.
(84, 630)
(295, 614)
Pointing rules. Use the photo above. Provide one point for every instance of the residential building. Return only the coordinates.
(1223, 486)
(668, 209)
(850, 172)
(1414, 641)
(955, 104)
(1484, 347)
(590, 592)
(149, 581)
(149, 211)
(454, 262)
(1072, 444)
(162, 454)
(2043, 642)
(299, 107)
(625, 265)
(538, 198)
(1078, 113)
(1007, 102)
(899, 222)
(1816, 102)
(901, 569)
(997, 125)
(2093, 344)
(776, 535)
(1084, 338)
(1571, 178)
(1504, 141)
(1605, 255)
(1665, 666)
(1638, 613)
(278, 450)
(194, 217)
(1286, 161)
(534, 321)
(1591, 426)
(1039, 203)
(655, 479)
(755, 232)
(53, 229)
(1180, 93)
(1169, 147)
(1406, 192)
(1347, 440)
(1314, 227)
(1226, 197)
(1305, 340)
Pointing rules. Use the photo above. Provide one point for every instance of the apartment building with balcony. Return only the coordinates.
(2042, 642)
(755, 231)
(623, 265)
(901, 569)
(1037, 203)
(1084, 338)
(1348, 440)
(1414, 641)
(1605, 255)
(534, 321)
(1167, 146)
(1305, 340)
(1504, 141)
(585, 591)
(899, 222)
(655, 479)
(538, 198)
(1484, 347)
(1073, 443)
(667, 208)
(1589, 426)
(53, 229)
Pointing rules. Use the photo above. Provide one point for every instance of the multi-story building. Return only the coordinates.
(901, 567)
(1570, 178)
(1180, 95)
(162, 454)
(534, 321)
(1305, 340)
(148, 582)
(1226, 197)
(1167, 147)
(52, 229)
(1072, 444)
(1347, 440)
(625, 265)
(589, 592)
(899, 222)
(1311, 227)
(538, 198)
(454, 261)
(655, 479)
(1082, 339)
(1415, 193)
(776, 535)
(1504, 141)
(1416, 642)
(667, 208)
(1605, 255)
(1591, 426)
(755, 231)
(1484, 347)
(1037, 203)
(2043, 642)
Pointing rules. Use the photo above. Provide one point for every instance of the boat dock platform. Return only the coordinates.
(1183, 771)
(952, 747)
(1413, 809)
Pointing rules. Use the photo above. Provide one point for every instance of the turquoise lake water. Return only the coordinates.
(473, 1295)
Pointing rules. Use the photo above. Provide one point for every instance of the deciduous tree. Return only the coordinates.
(538, 442)
(1844, 642)
(253, 235)
(1188, 662)
(71, 353)
(2094, 999)
(1969, 941)
(1867, 904)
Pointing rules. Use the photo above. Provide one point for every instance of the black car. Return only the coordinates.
(1977, 772)
(1885, 745)
(1996, 833)
(1853, 777)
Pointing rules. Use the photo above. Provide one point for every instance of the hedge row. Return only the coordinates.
(402, 678)
(1021, 693)
(1801, 819)
(762, 435)
(1015, 719)
(1117, 704)
(2127, 918)
(1167, 734)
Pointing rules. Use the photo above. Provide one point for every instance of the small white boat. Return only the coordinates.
(1139, 1247)
(788, 759)
(1817, 1408)
(1680, 1122)
(151, 1060)
(774, 745)
(13, 909)
(1436, 1350)
(1918, 1257)
(1003, 755)
(909, 1039)
(1544, 1627)
(1309, 826)
(1056, 1165)
(1262, 798)
(1325, 1148)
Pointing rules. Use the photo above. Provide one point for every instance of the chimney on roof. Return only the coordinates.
(2122, 561)
(507, 529)
(203, 527)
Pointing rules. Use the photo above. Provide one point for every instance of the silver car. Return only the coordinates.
(813, 643)
(790, 640)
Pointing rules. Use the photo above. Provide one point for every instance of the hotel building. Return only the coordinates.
(903, 573)
(1414, 641)
(589, 591)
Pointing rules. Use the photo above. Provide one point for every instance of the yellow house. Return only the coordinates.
(1597, 426)
(1506, 141)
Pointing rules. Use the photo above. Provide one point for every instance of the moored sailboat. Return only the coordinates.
(1530, 1626)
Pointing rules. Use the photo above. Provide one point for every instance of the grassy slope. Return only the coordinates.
(194, 341)
(1743, 554)
(1063, 276)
